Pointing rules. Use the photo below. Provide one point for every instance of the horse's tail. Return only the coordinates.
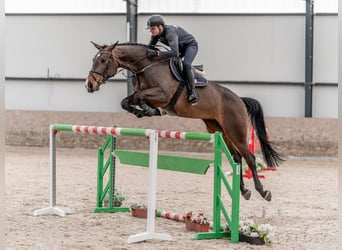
(256, 115)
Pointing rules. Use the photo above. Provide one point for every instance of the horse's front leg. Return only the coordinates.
(127, 104)
(149, 111)
(246, 193)
(149, 100)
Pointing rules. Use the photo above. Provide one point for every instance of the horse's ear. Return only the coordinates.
(97, 45)
(112, 46)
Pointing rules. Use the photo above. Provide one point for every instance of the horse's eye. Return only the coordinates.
(102, 60)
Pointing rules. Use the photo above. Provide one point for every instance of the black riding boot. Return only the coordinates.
(189, 78)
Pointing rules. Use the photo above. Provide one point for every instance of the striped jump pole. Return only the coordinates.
(117, 131)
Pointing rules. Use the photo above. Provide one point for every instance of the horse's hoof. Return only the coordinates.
(138, 114)
(247, 195)
(268, 195)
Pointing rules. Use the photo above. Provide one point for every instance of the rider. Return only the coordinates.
(181, 43)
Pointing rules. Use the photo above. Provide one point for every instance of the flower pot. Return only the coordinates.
(139, 212)
(251, 240)
(192, 226)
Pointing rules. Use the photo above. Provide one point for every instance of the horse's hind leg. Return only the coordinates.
(250, 160)
(237, 133)
(213, 126)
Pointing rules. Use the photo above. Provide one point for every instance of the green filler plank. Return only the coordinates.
(166, 162)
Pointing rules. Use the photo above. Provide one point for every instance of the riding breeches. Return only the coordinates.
(189, 55)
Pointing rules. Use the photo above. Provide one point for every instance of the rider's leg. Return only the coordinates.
(189, 78)
(189, 56)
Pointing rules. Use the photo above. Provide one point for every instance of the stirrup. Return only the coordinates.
(192, 98)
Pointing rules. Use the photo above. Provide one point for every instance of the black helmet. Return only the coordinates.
(155, 20)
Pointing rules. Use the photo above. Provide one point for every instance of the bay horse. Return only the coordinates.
(219, 108)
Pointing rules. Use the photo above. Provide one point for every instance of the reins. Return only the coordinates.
(129, 67)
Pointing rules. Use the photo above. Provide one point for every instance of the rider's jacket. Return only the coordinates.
(176, 38)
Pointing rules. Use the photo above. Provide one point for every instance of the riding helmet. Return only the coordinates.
(155, 20)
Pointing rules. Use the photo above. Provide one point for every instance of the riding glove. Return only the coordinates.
(151, 53)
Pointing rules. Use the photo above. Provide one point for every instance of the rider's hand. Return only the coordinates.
(151, 53)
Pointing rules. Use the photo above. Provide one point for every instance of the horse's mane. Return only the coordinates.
(135, 44)
(132, 44)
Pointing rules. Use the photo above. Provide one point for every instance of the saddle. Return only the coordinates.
(176, 67)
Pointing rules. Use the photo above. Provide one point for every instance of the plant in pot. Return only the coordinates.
(198, 222)
(254, 233)
(118, 199)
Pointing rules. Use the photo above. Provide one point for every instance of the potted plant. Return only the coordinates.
(198, 223)
(139, 211)
(254, 233)
(118, 199)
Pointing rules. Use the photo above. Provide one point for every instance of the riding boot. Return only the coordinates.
(189, 78)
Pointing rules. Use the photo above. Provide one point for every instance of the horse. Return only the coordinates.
(155, 88)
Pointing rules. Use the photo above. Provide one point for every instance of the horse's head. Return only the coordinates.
(104, 67)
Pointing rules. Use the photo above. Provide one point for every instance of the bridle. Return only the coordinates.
(104, 74)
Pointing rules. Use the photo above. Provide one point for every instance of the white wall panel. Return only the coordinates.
(57, 46)
(325, 49)
(63, 96)
(245, 48)
(222, 6)
(326, 6)
(65, 6)
(277, 101)
(166, 6)
(325, 102)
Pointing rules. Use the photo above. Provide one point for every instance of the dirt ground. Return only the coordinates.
(303, 211)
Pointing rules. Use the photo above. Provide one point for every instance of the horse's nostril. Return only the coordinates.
(88, 86)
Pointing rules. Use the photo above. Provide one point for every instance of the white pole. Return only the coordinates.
(152, 182)
(152, 191)
(52, 209)
(52, 167)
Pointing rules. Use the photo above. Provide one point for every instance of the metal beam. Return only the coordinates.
(308, 57)
(131, 19)
(2, 125)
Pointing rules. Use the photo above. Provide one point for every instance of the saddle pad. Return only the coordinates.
(200, 81)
